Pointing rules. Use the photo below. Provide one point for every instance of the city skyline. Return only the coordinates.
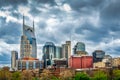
(95, 22)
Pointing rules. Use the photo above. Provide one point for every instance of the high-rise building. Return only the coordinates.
(66, 50)
(58, 52)
(98, 55)
(68, 43)
(49, 53)
(28, 47)
(14, 57)
(79, 49)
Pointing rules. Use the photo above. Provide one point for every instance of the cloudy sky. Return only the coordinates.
(94, 22)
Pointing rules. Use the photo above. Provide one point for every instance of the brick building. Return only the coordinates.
(79, 62)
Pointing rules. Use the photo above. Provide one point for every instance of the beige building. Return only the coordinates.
(29, 64)
(116, 62)
(81, 53)
(68, 43)
(14, 57)
(66, 50)
(99, 65)
(26, 48)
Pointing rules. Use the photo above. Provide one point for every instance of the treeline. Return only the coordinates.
(65, 75)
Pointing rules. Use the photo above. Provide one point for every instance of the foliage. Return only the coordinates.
(45, 75)
(16, 76)
(27, 75)
(81, 76)
(116, 74)
(5, 75)
(54, 78)
(66, 75)
(100, 75)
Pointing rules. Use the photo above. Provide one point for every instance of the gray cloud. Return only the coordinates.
(13, 3)
(94, 22)
(10, 32)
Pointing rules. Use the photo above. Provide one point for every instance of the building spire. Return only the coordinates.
(23, 19)
(23, 24)
(33, 27)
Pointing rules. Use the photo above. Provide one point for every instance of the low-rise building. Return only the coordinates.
(99, 65)
(29, 64)
(116, 62)
(79, 62)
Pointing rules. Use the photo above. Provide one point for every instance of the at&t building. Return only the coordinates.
(28, 49)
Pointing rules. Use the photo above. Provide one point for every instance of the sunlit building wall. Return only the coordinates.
(14, 57)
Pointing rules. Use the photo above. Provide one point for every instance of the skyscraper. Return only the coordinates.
(28, 47)
(66, 50)
(14, 57)
(49, 53)
(79, 49)
(58, 52)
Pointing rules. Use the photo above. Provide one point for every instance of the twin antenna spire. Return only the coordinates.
(24, 24)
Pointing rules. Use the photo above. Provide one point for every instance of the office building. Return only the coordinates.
(79, 49)
(106, 62)
(98, 55)
(81, 62)
(66, 50)
(28, 64)
(68, 44)
(60, 63)
(14, 57)
(28, 47)
(58, 52)
(48, 53)
(116, 62)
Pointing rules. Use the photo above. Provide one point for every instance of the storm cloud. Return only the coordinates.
(94, 22)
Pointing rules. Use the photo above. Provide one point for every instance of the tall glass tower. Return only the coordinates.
(79, 49)
(49, 53)
(28, 47)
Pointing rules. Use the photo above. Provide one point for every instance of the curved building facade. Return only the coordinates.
(98, 55)
(80, 46)
(49, 53)
(79, 49)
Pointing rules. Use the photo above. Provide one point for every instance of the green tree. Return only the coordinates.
(99, 75)
(16, 76)
(116, 74)
(81, 76)
(54, 78)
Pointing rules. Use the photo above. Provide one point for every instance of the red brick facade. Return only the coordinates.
(79, 62)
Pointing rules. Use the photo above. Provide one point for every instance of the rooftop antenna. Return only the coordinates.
(23, 23)
(33, 26)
